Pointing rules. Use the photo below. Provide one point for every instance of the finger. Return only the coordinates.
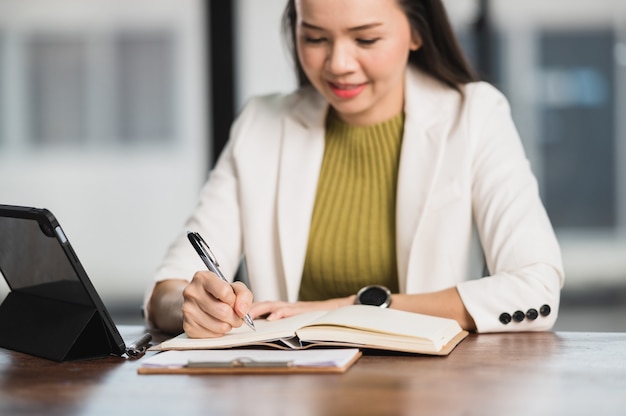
(266, 309)
(243, 300)
(200, 325)
(199, 301)
(280, 314)
(215, 286)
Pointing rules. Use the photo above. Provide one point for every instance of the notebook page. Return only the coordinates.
(265, 331)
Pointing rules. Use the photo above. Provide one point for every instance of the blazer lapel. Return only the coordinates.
(423, 147)
(302, 152)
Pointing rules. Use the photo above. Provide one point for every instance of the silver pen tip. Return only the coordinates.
(249, 321)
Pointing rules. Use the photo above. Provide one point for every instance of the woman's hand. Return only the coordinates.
(274, 310)
(212, 307)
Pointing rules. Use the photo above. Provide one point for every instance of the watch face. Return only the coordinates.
(374, 295)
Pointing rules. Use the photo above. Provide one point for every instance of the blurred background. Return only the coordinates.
(112, 112)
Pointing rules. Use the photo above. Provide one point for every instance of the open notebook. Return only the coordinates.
(359, 326)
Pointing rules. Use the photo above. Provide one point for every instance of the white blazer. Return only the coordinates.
(462, 169)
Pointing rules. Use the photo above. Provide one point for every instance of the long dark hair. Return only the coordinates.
(440, 54)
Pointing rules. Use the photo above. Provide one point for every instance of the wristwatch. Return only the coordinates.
(374, 295)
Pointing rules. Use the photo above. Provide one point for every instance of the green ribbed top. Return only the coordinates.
(352, 236)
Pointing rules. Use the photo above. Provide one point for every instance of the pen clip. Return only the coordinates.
(203, 248)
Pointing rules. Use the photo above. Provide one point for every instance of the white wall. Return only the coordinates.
(120, 204)
(262, 61)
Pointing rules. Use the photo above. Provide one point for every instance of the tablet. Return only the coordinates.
(52, 309)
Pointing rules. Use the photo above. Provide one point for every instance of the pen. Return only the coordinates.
(139, 346)
(207, 256)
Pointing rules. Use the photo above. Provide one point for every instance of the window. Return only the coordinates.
(79, 93)
(577, 127)
(145, 99)
(57, 89)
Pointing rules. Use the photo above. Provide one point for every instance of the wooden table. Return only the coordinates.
(530, 374)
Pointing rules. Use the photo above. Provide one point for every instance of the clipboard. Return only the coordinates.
(244, 361)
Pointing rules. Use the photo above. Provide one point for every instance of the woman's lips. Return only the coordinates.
(346, 91)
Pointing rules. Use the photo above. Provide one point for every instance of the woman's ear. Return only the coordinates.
(416, 41)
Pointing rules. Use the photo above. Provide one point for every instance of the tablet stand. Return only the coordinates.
(52, 329)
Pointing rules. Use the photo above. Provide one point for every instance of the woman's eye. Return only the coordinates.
(314, 41)
(367, 42)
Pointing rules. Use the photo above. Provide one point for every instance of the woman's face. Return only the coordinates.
(355, 53)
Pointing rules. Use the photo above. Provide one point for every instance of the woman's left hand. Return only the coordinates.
(277, 310)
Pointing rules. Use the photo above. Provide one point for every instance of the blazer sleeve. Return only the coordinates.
(522, 254)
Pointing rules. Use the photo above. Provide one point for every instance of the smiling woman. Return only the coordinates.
(376, 171)
(356, 58)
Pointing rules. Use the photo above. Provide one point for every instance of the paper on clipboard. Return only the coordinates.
(249, 360)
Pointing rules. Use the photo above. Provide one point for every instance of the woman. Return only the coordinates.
(376, 171)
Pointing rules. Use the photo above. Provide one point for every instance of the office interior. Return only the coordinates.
(112, 112)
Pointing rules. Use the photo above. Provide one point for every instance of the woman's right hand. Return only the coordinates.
(212, 307)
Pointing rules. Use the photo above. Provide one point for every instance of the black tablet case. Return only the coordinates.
(52, 310)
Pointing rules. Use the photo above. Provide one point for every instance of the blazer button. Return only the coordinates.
(545, 310)
(505, 318)
(532, 314)
(518, 316)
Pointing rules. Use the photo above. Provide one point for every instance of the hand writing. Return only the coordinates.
(212, 307)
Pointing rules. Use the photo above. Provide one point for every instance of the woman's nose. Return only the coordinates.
(340, 59)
